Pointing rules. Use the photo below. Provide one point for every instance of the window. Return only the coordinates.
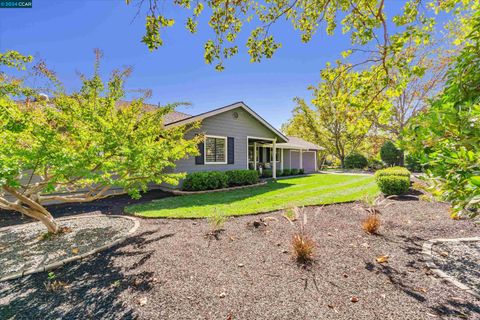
(215, 150)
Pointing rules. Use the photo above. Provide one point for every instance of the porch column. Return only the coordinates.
(301, 158)
(254, 156)
(274, 167)
(315, 159)
(281, 159)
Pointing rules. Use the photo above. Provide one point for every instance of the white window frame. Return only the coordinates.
(205, 149)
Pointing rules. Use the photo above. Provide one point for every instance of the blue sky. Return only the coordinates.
(64, 34)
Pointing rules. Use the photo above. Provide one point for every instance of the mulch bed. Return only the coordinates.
(460, 260)
(28, 248)
(170, 270)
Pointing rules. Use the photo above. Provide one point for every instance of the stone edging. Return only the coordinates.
(427, 253)
(184, 193)
(58, 264)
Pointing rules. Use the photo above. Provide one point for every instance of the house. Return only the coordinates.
(236, 137)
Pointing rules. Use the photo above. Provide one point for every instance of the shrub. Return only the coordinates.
(393, 171)
(216, 221)
(375, 164)
(413, 163)
(371, 224)
(355, 161)
(241, 177)
(301, 171)
(390, 154)
(393, 185)
(267, 173)
(303, 247)
(287, 172)
(208, 180)
(279, 173)
(294, 171)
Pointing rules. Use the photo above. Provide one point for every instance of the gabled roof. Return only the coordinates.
(235, 105)
(298, 143)
(171, 117)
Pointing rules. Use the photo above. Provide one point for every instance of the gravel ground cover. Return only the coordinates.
(170, 270)
(22, 247)
(460, 260)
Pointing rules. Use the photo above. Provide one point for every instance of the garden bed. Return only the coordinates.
(27, 249)
(170, 270)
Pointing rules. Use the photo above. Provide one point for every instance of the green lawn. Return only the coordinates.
(307, 190)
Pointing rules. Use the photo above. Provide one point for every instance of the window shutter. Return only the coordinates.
(200, 159)
(260, 154)
(268, 155)
(231, 150)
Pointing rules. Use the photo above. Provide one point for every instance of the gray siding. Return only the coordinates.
(226, 125)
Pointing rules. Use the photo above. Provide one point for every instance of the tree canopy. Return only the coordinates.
(75, 147)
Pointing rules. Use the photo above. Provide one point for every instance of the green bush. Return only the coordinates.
(301, 171)
(393, 185)
(294, 172)
(267, 173)
(393, 171)
(355, 161)
(279, 173)
(241, 177)
(208, 180)
(413, 163)
(390, 154)
(375, 164)
(287, 172)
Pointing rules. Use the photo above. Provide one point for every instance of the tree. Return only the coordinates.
(390, 154)
(76, 147)
(346, 105)
(364, 21)
(447, 133)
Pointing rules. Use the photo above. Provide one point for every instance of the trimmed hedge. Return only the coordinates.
(206, 180)
(355, 161)
(393, 181)
(393, 171)
(393, 185)
(294, 171)
(301, 171)
(286, 172)
(267, 173)
(241, 177)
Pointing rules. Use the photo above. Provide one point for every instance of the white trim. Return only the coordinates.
(301, 159)
(274, 159)
(260, 138)
(281, 159)
(225, 109)
(205, 149)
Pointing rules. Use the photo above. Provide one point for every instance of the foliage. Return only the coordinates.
(216, 220)
(390, 154)
(346, 105)
(241, 177)
(447, 134)
(375, 164)
(205, 180)
(393, 185)
(302, 244)
(53, 148)
(413, 162)
(267, 173)
(355, 161)
(393, 171)
(294, 172)
(301, 171)
(365, 22)
(286, 172)
(371, 224)
(298, 191)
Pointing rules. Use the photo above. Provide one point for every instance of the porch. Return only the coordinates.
(265, 153)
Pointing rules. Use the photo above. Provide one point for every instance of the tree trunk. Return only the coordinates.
(47, 220)
(31, 208)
